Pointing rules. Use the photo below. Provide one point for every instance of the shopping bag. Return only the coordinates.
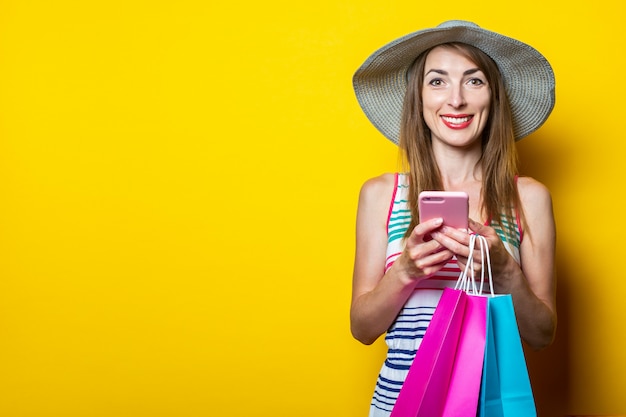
(444, 378)
(505, 389)
(425, 388)
(490, 403)
(465, 381)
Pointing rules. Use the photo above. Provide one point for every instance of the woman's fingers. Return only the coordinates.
(424, 255)
(422, 231)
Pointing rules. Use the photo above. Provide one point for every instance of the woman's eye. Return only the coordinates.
(436, 82)
(475, 81)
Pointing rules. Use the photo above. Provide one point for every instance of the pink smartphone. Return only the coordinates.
(451, 206)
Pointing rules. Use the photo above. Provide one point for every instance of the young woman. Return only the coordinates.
(455, 98)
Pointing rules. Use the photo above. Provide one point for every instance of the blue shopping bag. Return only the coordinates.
(505, 386)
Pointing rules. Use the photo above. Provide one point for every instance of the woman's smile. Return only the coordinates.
(460, 121)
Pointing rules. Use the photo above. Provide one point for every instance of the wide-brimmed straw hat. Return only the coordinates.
(380, 83)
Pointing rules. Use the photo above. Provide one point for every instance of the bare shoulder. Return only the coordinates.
(538, 212)
(533, 194)
(378, 186)
(375, 197)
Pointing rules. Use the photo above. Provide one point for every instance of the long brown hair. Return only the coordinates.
(498, 162)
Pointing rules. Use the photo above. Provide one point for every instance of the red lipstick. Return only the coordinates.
(457, 121)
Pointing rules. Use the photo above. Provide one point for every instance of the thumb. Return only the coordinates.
(478, 228)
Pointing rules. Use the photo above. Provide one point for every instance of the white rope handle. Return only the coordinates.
(466, 277)
(466, 281)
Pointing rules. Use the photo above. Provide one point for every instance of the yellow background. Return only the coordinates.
(178, 186)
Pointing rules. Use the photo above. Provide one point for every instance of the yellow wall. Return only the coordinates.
(178, 184)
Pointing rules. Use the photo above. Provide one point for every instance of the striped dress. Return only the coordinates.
(405, 334)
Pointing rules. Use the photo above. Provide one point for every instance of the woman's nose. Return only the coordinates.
(457, 98)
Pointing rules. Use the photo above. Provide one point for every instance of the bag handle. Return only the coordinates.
(466, 281)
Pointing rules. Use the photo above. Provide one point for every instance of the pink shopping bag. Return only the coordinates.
(445, 377)
(465, 381)
(425, 388)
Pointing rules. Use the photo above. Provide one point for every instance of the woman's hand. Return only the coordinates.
(501, 260)
(423, 255)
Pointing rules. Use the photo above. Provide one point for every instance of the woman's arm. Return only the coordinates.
(533, 284)
(377, 297)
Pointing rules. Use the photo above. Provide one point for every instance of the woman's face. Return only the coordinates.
(456, 98)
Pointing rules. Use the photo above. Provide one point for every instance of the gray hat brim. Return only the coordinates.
(380, 83)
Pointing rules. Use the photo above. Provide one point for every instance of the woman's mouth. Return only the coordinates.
(460, 121)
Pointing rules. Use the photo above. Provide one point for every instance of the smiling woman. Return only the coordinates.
(455, 98)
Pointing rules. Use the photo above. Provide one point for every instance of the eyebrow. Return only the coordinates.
(442, 72)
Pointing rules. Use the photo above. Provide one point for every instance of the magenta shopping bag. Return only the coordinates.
(425, 388)
(444, 379)
(465, 381)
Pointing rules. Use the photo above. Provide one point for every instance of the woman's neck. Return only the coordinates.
(459, 170)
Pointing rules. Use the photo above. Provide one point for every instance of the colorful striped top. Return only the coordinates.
(405, 334)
